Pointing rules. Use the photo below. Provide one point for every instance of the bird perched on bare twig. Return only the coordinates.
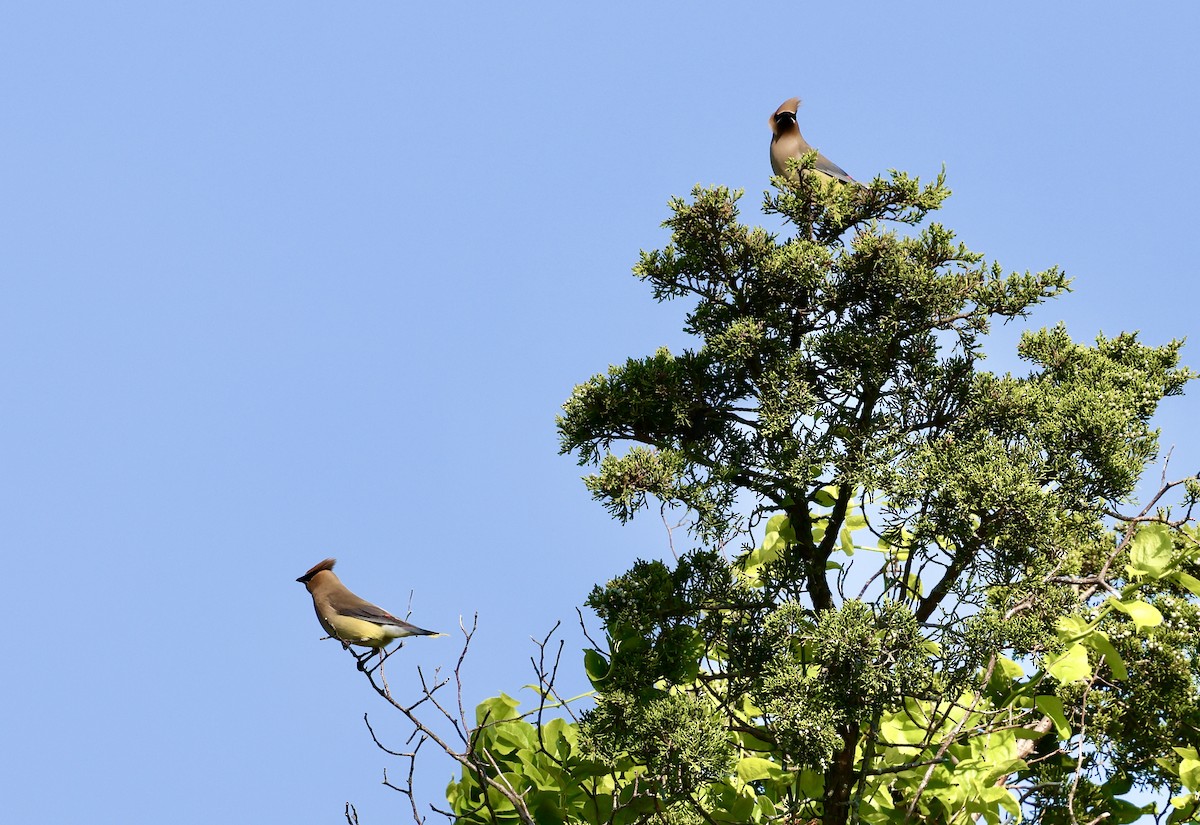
(351, 620)
(787, 142)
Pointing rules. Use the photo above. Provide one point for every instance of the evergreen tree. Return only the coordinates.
(913, 593)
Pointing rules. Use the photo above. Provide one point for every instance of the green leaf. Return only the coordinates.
(595, 665)
(1072, 628)
(497, 709)
(1152, 551)
(826, 496)
(766, 809)
(739, 808)
(547, 813)
(751, 742)
(755, 768)
(516, 735)
(775, 523)
(1125, 812)
(1119, 783)
(773, 545)
(1183, 805)
(1072, 666)
(498, 801)
(1008, 668)
(899, 728)
(1143, 614)
(1100, 643)
(1009, 803)
(811, 783)
(1052, 706)
(1189, 774)
(781, 527)
(1190, 582)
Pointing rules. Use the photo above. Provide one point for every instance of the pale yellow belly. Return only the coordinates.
(358, 631)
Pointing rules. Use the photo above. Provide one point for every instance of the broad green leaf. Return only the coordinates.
(773, 545)
(826, 496)
(1072, 666)
(740, 808)
(755, 768)
(751, 742)
(497, 709)
(1008, 668)
(547, 813)
(812, 784)
(595, 665)
(1125, 812)
(1052, 706)
(1143, 614)
(857, 521)
(1100, 643)
(782, 525)
(511, 736)
(847, 543)
(558, 732)
(755, 559)
(900, 729)
(496, 800)
(776, 523)
(1190, 582)
(1151, 552)
(1072, 628)
(1009, 803)
(1120, 783)
(1189, 774)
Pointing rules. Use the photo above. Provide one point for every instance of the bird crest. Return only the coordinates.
(327, 564)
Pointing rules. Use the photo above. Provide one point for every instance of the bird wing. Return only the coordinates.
(347, 604)
(830, 168)
(352, 607)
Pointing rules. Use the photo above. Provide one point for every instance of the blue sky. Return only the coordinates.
(291, 280)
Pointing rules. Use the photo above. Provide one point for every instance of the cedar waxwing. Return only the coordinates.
(351, 620)
(787, 142)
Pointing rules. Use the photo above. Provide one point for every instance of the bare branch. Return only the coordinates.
(471, 761)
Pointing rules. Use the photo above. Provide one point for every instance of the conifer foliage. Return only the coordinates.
(917, 590)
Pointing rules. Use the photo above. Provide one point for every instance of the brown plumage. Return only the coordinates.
(787, 142)
(349, 619)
